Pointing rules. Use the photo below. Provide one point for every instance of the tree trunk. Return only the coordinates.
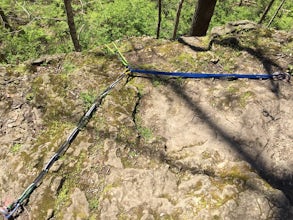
(5, 20)
(266, 11)
(280, 6)
(177, 19)
(202, 17)
(71, 25)
(159, 18)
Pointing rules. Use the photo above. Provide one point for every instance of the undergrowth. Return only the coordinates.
(40, 27)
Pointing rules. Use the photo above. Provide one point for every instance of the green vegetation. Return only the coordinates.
(230, 10)
(88, 98)
(94, 203)
(40, 27)
(145, 132)
(15, 148)
(54, 132)
(68, 67)
(63, 195)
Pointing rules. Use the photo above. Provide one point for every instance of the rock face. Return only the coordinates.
(157, 148)
(228, 141)
(234, 27)
(79, 208)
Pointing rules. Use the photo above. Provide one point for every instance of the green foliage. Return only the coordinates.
(229, 10)
(15, 148)
(145, 132)
(169, 9)
(24, 44)
(88, 98)
(116, 19)
(68, 67)
(40, 27)
(94, 203)
(63, 195)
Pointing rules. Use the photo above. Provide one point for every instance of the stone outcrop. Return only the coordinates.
(157, 148)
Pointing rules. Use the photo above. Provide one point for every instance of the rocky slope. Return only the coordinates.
(158, 148)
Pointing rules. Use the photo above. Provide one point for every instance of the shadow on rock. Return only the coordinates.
(269, 65)
(285, 184)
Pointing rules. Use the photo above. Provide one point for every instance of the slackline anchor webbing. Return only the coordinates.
(11, 210)
(275, 76)
(115, 50)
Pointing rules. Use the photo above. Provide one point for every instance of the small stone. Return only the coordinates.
(57, 184)
(215, 60)
(2, 71)
(147, 216)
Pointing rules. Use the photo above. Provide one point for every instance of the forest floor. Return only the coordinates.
(158, 147)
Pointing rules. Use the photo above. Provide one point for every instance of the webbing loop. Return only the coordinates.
(116, 51)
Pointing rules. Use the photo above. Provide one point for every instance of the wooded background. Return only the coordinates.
(31, 28)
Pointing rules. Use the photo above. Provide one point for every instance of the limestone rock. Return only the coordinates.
(233, 27)
(157, 147)
(79, 209)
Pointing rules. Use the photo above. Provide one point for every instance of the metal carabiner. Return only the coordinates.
(281, 76)
(4, 211)
(11, 210)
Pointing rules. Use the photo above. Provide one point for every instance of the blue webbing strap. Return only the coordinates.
(207, 75)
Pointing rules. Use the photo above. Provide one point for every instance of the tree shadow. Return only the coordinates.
(269, 65)
(284, 184)
(192, 47)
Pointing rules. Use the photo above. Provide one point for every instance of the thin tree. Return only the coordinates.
(277, 11)
(202, 17)
(71, 25)
(266, 11)
(177, 19)
(159, 18)
(5, 20)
